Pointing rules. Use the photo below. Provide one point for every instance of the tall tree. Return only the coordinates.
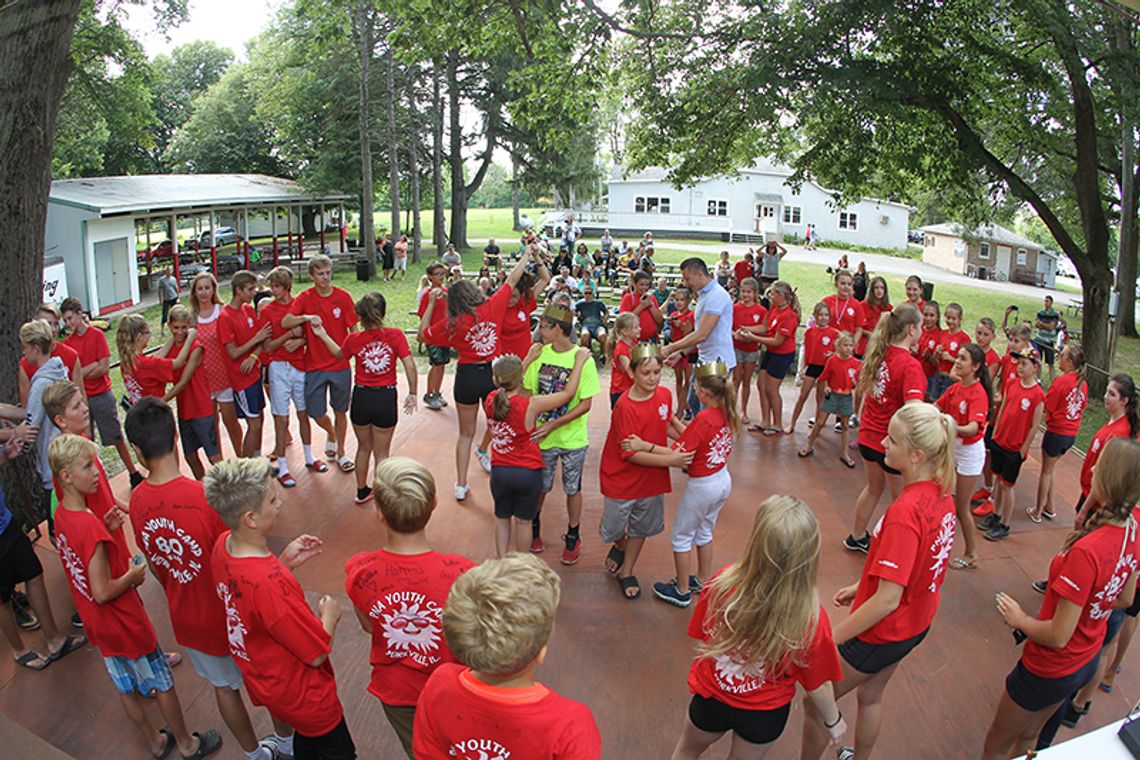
(414, 163)
(363, 31)
(390, 100)
(439, 226)
(175, 81)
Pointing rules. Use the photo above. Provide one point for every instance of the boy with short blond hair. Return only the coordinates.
(103, 580)
(281, 648)
(399, 592)
(498, 621)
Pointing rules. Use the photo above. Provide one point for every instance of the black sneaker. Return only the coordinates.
(858, 544)
(1073, 714)
(695, 584)
(998, 532)
(989, 522)
(25, 618)
(1040, 586)
(136, 479)
(76, 620)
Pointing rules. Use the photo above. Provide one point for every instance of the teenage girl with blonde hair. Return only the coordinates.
(1065, 404)
(895, 600)
(762, 630)
(619, 344)
(145, 375)
(206, 306)
(778, 334)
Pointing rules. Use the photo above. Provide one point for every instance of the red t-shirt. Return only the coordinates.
(176, 529)
(68, 355)
(1016, 415)
(927, 350)
(120, 627)
(437, 334)
(516, 337)
(841, 375)
(376, 353)
(91, 347)
(273, 636)
(683, 323)
(847, 314)
(900, 379)
(951, 342)
(511, 445)
(149, 378)
(731, 682)
(620, 382)
(992, 358)
(194, 401)
(711, 438)
(967, 404)
(273, 313)
(100, 503)
(782, 321)
(649, 420)
(911, 547)
(1091, 574)
(476, 337)
(871, 316)
(460, 717)
(403, 595)
(338, 314)
(649, 327)
(742, 270)
(747, 316)
(1065, 403)
(1007, 372)
(238, 326)
(819, 343)
(1108, 431)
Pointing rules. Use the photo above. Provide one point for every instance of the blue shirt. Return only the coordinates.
(5, 515)
(713, 299)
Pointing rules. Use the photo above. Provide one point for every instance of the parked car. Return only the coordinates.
(224, 235)
(915, 236)
(161, 250)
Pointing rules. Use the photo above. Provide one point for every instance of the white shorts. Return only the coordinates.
(286, 383)
(402, 264)
(698, 509)
(219, 671)
(969, 458)
(224, 396)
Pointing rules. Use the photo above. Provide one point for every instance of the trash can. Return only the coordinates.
(362, 273)
(928, 291)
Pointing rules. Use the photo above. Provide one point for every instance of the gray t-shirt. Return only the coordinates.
(770, 265)
(168, 286)
(713, 299)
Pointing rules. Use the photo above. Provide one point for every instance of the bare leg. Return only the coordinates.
(252, 443)
(743, 750)
(363, 453)
(502, 536)
(805, 391)
(125, 455)
(1045, 485)
(468, 417)
(236, 717)
(1003, 502)
(815, 735)
(683, 565)
(341, 431)
(171, 709)
(41, 605)
(966, 486)
(1010, 726)
(382, 443)
(868, 497)
(870, 719)
(775, 401)
(12, 633)
(632, 549)
(304, 428)
(765, 420)
(843, 436)
(280, 434)
(233, 427)
(705, 561)
(522, 534)
(485, 441)
(325, 424)
(573, 509)
(1088, 691)
(693, 741)
(133, 707)
(196, 466)
(1123, 641)
(435, 378)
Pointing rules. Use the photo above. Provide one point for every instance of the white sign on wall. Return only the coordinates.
(55, 281)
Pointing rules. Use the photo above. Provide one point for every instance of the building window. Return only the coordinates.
(639, 205)
(984, 251)
(718, 208)
(928, 240)
(1022, 257)
(793, 214)
(650, 205)
(849, 220)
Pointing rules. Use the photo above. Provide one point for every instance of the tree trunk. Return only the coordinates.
(1126, 253)
(455, 156)
(393, 143)
(439, 224)
(364, 43)
(414, 164)
(514, 193)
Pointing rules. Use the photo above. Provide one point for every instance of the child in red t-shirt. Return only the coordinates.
(516, 461)
(837, 382)
(1018, 417)
(242, 332)
(929, 341)
(778, 336)
(176, 530)
(282, 649)
(491, 705)
(634, 483)
(950, 341)
(145, 375)
(896, 598)
(102, 579)
(398, 592)
(744, 682)
(1004, 374)
(1065, 404)
(1093, 575)
(619, 344)
(191, 388)
(1122, 404)
(819, 344)
(984, 333)
(681, 323)
(748, 312)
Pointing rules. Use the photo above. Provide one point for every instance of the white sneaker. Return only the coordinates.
(461, 492)
(853, 422)
(484, 458)
(811, 421)
(838, 427)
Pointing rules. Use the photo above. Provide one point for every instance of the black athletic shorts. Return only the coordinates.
(18, 560)
(614, 399)
(878, 457)
(373, 406)
(753, 726)
(473, 383)
(1056, 445)
(777, 365)
(872, 658)
(813, 370)
(1005, 464)
(516, 491)
(1034, 693)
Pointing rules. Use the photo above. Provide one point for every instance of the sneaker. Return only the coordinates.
(989, 521)
(76, 620)
(363, 494)
(429, 400)
(536, 545)
(853, 422)
(270, 743)
(1073, 714)
(484, 458)
(25, 618)
(838, 427)
(845, 753)
(695, 585)
(997, 533)
(1040, 586)
(461, 492)
(983, 509)
(136, 478)
(668, 592)
(439, 399)
(811, 422)
(858, 544)
(573, 550)
(981, 494)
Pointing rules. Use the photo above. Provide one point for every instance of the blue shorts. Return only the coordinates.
(143, 675)
(1055, 445)
(777, 365)
(199, 433)
(339, 385)
(250, 402)
(1034, 693)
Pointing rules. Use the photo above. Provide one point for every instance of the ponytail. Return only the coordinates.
(506, 372)
(622, 322)
(892, 328)
(722, 389)
(130, 328)
(790, 296)
(978, 358)
(1117, 483)
(1077, 357)
(1127, 389)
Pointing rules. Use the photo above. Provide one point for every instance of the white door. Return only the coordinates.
(1004, 253)
(112, 274)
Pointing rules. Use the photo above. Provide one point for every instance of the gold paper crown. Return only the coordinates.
(558, 313)
(716, 368)
(644, 351)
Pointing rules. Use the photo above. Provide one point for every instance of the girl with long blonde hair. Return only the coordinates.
(762, 630)
(145, 375)
(206, 305)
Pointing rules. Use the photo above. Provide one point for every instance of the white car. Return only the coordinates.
(224, 235)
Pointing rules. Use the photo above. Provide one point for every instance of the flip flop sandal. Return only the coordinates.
(317, 465)
(961, 563)
(617, 556)
(330, 451)
(772, 431)
(757, 429)
(1033, 515)
(27, 658)
(169, 744)
(628, 582)
(804, 453)
(287, 480)
(1105, 687)
(848, 463)
(346, 464)
(208, 743)
(73, 642)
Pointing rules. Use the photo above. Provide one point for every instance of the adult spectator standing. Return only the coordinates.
(1046, 338)
(95, 357)
(438, 344)
(451, 257)
(712, 334)
(606, 241)
(168, 291)
(810, 238)
(642, 303)
(570, 234)
(723, 269)
(387, 256)
(769, 263)
(492, 254)
(401, 257)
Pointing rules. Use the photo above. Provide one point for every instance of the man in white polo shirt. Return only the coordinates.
(712, 334)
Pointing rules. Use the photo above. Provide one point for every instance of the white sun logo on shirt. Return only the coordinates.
(737, 677)
(134, 388)
(235, 628)
(411, 627)
(663, 411)
(377, 357)
(882, 377)
(500, 437)
(1074, 404)
(940, 549)
(74, 566)
(336, 312)
(719, 448)
(961, 407)
(1025, 405)
(484, 338)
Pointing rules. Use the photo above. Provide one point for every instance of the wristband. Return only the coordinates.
(652, 448)
(838, 718)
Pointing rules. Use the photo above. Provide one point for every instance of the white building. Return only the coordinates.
(757, 202)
